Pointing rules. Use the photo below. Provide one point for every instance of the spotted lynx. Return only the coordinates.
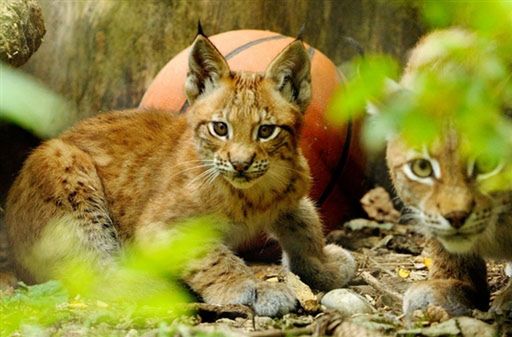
(234, 155)
(441, 190)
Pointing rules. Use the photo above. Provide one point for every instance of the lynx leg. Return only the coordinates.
(458, 283)
(300, 235)
(67, 217)
(223, 278)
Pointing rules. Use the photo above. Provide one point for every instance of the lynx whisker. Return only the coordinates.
(203, 175)
(209, 166)
(277, 178)
(211, 178)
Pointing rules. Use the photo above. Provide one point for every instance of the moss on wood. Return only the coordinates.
(21, 30)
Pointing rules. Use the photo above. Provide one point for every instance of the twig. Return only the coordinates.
(383, 242)
(378, 265)
(212, 312)
(380, 286)
(282, 333)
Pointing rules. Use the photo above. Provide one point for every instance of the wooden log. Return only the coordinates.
(21, 30)
(103, 54)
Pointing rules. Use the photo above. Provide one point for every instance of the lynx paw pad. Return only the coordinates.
(266, 298)
(337, 270)
(453, 296)
(341, 260)
(273, 299)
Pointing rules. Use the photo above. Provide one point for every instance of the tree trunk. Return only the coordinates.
(103, 54)
(21, 30)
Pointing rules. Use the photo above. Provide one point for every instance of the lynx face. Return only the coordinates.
(441, 190)
(246, 124)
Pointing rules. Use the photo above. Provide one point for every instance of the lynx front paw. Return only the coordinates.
(338, 269)
(273, 299)
(266, 298)
(333, 271)
(456, 297)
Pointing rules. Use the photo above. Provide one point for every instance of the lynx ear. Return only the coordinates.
(206, 67)
(290, 71)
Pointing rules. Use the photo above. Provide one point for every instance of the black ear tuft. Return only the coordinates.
(206, 67)
(200, 30)
(291, 73)
(300, 34)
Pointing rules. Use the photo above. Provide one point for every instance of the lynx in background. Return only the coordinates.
(442, 194)
(234, 155)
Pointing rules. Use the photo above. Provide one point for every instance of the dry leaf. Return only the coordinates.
(302, 292)
(378, 205)
(403, 273)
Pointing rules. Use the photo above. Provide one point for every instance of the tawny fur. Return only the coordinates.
(463, 223)
(121, 174)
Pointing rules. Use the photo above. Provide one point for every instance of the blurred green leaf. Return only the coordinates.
(141, 287)
(32, 305)
(350, 101)
(32, 106)
(462, 80)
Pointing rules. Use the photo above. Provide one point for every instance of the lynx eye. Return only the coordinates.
(422, 168)
(219, 129)
(267, 132)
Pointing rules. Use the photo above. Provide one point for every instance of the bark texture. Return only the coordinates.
(21, 30)
(103, 54)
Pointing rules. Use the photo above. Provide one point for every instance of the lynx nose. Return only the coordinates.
(457, 219)
(242, 165)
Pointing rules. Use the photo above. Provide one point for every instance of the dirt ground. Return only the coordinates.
(389, 258)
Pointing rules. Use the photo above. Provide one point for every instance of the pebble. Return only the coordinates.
(347, 302)
(474, 327)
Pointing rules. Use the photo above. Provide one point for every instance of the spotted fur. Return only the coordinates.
(463, 224)
(121, 175)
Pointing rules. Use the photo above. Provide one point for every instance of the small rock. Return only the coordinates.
(471, 327)
(347, 302)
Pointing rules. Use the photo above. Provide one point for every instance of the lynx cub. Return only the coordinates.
(235, 155)
(440, 189)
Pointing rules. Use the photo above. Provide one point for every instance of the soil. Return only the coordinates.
(389, 258)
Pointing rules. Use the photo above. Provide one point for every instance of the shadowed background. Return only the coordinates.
(102, 55)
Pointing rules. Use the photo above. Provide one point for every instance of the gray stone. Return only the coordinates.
(347, 302)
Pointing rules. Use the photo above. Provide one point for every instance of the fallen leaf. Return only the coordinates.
(427, 261)
(378, 205)
(404, 273)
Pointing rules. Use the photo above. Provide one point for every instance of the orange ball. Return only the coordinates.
(332, 151)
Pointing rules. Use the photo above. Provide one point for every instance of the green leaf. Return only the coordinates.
(32, 106)
(368, 86)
